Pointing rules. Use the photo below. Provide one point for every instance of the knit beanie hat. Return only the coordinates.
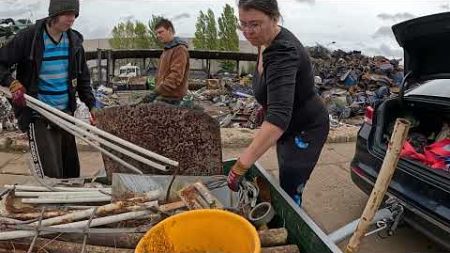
(59, 6)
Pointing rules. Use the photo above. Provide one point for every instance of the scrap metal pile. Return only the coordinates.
(350, 81)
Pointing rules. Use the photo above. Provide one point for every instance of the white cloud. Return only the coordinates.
(396, 17)
(307, 1)
(384, 31)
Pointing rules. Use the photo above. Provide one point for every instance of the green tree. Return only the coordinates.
(154, 42)
(212, 42)
(205, 36)
(200, 32)
(228, 36)
(130, 35)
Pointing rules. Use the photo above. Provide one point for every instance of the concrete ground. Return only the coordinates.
(331, 199)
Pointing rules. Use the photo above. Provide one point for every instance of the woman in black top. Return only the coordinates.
(295, 117)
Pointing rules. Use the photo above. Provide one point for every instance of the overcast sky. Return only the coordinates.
(351, 24)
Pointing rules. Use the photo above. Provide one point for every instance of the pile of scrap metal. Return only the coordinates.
(9, 27)
(349, 81)
(232, 102)
(7, 119)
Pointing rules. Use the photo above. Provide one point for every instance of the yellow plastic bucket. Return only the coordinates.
(201, 231)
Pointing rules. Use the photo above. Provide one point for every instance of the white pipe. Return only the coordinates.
(45, 189)
(66, 200)
(10, 235)
(82, 132)
(56, 194)
(104, 151)
(32, 101)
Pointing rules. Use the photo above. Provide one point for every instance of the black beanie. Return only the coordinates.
(59, 6)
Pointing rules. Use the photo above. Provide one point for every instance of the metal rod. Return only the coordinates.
(86, 231)
(84, 133)
(37, 231)
(10, 235)
(346, 231)
(104, 151)
(45, 189)
(33, 101)
(66, 201)
(58, 194)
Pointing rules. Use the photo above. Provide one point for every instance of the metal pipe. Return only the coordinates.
(66, 200)
(83, 133)
(10, 235)
(45, 189)
(33, 101)
(346, 231)
(104, 151)
(30, 101)
(58, 194)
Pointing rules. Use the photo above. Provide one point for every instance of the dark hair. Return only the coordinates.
(268, 7)
(52, 20)
(165, 23)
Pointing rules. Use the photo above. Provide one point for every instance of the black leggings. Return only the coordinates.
(296, 162)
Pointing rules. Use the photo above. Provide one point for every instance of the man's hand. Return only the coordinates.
(17, 93)
(236, 175)
(92, 118)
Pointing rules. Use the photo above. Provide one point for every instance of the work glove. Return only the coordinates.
(236, 175)
(17, 93)
(92, 118)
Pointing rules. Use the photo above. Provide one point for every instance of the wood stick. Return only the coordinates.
(172, 206)
(381, 185)
(281, 249)
(273, 237)
(102, 210)
(47, 245)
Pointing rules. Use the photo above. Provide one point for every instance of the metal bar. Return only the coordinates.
(84, 133)
(99, 65)
(156, 53)
(346, 231)
(10, 235)
(37, 231)
(44, 189)
(59, 194)
(66, 201)
(33, 101)
(86, 230)
(104, 151)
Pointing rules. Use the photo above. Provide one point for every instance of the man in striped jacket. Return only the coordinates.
(51, 67)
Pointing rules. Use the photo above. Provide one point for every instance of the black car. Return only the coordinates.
(424, 99)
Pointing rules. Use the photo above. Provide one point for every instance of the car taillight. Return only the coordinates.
(368, 115)
(358, 171)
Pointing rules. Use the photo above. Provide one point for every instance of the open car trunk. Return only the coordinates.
(428, 122)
